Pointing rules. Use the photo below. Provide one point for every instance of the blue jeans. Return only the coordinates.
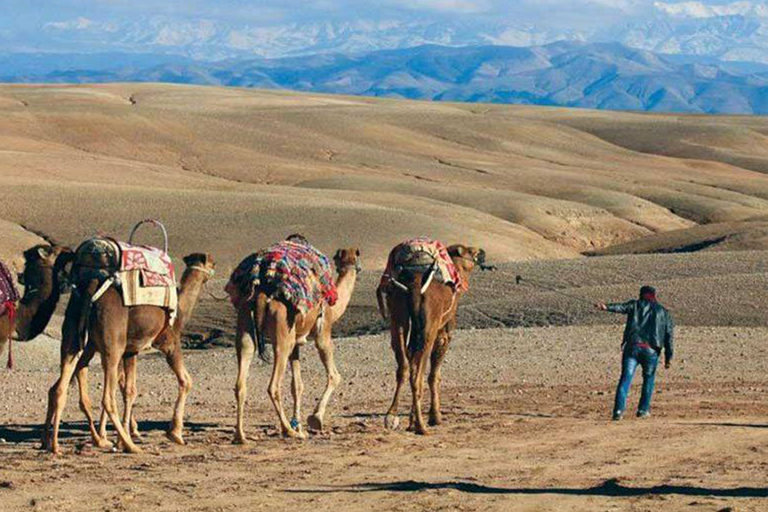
(648, 359)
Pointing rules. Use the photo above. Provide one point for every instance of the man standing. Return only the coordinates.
(649, 328)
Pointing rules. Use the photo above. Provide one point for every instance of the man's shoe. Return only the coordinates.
(643, 414)
(617, 415)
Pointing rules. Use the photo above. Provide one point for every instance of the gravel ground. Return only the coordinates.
(526, 429)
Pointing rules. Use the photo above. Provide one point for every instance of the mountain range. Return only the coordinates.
(737, 31)
(599, 75)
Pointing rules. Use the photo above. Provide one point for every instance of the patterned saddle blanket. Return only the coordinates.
(292, 271)
(8, 292)
(422, 253)
(145, 275)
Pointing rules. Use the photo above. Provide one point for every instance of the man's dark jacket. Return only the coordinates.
(647, 322)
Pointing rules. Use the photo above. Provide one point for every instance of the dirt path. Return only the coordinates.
(525, 429)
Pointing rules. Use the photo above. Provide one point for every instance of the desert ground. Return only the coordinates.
(588, 204)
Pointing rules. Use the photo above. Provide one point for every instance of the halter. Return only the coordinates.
(208, 271)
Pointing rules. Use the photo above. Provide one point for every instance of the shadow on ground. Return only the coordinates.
(17, 433)
(609, 488)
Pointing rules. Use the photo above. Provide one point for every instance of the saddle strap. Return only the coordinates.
(10, 307)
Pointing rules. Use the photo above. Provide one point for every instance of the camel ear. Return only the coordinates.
(357, 252)
(339, 254)
(457, 251)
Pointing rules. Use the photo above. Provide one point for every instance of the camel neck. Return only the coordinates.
(345, 285)
(34, 315)
(189, 293)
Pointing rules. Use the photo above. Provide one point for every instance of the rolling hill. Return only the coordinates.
(230, 170)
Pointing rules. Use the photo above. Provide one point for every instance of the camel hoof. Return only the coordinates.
(316, 423)
(435, 421)
(392, 421)
(175, 437)
(421, 431)
(104, 444)
(240, 439)
(294, 434)
(132, 448)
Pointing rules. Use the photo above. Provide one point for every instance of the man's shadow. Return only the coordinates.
(609, 488)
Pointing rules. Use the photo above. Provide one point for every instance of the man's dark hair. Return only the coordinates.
(648, 292)
(297, 238)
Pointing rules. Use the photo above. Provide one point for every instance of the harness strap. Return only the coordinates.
(103, 288)
(10, 307)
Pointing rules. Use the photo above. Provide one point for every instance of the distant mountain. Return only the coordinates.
(737, 31)
(602, 76)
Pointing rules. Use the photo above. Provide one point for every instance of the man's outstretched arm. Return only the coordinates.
(618, 307)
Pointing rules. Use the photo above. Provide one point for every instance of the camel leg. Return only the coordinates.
(128, 387)
(110, 363)
(418, 368)
(176, 362)
(399, 335)
(99, 440)
(57, 400)
(297, 389)
(435, 376)
(245, 345)
(325, 348)
(284, 341)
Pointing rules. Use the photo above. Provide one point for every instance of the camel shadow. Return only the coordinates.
(609, 488)
(32, 433)
(726, 424)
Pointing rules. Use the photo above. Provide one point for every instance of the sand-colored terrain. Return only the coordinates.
(229, 170)
(526, 429)
(677, 201)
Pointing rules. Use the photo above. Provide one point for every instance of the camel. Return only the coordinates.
(429, 316)
(44, 278)
(288, 330)
(120, 333)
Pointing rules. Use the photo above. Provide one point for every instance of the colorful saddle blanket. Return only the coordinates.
(144, 275)
(8, 292)
(422, 252)
(295, 272)
(155, 265)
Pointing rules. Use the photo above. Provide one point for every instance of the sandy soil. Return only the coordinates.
(231, 170)
(526, 429)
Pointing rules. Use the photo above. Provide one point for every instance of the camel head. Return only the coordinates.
(45, 278)
(466, 258)
(348, 258)
(201, 263)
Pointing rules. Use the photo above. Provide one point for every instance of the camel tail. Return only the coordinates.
(381, 293)
(417, 314)
(82, 305)
(259, 324)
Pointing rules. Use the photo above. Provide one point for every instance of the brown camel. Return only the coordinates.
(288, 330)
(44, 279)
(120, 333)
(429, 318)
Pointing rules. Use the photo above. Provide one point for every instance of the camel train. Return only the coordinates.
(124, 300)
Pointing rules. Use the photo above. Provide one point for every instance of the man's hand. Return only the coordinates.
(667, 364)
(601, 306)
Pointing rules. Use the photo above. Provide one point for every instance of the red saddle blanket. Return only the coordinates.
(8, 292)
(423, 251)
(296, 272)
(155, 265)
